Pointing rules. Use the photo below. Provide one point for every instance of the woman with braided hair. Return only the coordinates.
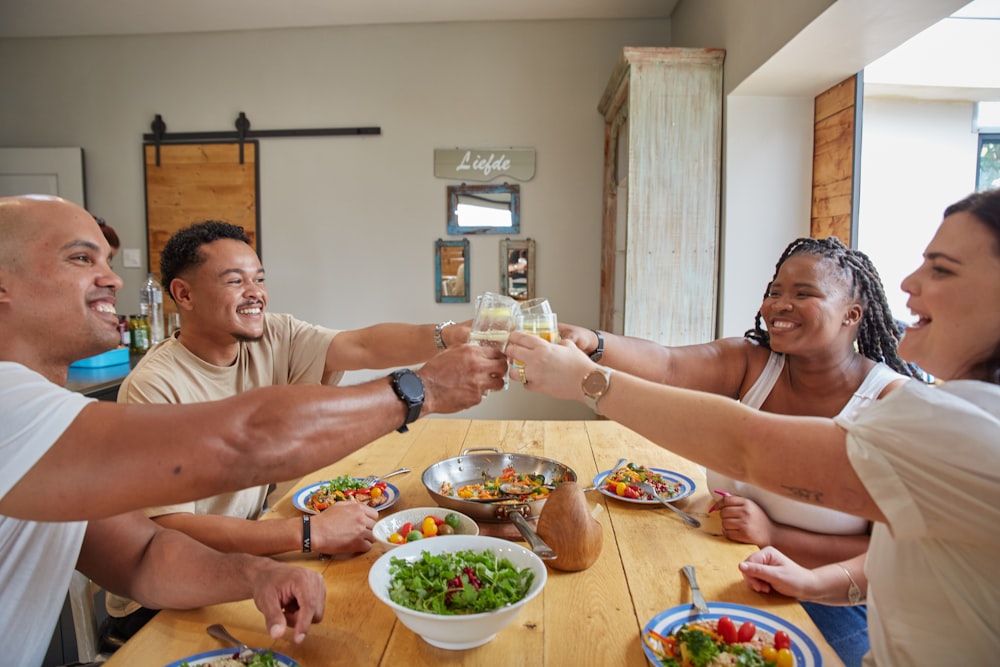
(823, 344)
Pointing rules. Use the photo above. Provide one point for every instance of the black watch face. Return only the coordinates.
(410, 386)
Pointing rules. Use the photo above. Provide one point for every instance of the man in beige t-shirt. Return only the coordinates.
(228, 344)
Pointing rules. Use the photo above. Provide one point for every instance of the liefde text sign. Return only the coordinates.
(484, 164)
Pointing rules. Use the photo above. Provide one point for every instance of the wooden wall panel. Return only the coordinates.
(197, 182)
(835, 153)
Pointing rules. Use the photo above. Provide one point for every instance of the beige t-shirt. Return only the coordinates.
(290, 352)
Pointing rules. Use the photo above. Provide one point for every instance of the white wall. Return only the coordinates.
(917, 157)
(349, 223)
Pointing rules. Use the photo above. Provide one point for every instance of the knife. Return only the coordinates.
(697, 599)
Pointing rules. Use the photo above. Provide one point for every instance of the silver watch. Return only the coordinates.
(438, 339)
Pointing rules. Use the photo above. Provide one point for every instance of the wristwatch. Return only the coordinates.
(410, 390)
(595, 385)
(598, 352)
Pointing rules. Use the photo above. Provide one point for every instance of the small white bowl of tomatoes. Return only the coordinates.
(420, 523)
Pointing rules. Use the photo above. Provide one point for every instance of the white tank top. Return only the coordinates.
(785, 510)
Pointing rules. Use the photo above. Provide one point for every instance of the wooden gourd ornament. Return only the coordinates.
(568, 526)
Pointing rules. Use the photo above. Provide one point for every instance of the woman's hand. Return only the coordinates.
(770, 570)
(744, 521)
(553, 369)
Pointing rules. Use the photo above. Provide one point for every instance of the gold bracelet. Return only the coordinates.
(853, 592)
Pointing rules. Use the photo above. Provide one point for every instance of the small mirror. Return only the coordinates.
(452, 274)
(484, 209)
(517, 274)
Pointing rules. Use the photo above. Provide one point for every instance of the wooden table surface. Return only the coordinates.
(592, 617)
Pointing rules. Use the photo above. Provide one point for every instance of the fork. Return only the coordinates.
(370, 480)
(651, 490)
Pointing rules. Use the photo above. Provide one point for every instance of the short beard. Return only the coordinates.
(248, 339)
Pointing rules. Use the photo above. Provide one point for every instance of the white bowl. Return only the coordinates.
(459, 631)
(386, 526)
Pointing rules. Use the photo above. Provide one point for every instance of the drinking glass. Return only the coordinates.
(493, 322)
(539, 323)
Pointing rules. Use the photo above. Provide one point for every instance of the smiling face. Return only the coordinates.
(807, 305)
(954, 296)
(222, 299)
(57, 289)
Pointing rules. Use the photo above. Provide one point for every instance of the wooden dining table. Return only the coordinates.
(591, 617)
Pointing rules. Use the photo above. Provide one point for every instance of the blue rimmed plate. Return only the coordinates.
(302, 495)
(207, 657)
(805, 651)
(687, 486)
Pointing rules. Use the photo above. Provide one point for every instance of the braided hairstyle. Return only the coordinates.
(985, 206)
(878, 333)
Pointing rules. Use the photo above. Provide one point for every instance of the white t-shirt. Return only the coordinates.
(36, 559)
(782, 509)
(930, 458)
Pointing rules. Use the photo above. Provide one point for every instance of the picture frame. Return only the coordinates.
(517, 269)
(451, 271)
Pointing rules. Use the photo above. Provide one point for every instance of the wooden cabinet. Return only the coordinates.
(662, 170)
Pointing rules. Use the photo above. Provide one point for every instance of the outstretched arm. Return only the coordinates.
(719, 367)
(389, 345)
(155, 455)
(164, 569)
(719, 433)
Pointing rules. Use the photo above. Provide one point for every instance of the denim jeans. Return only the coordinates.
(845, 629)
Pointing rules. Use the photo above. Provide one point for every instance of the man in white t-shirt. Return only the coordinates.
(57, 305)
(227, 344)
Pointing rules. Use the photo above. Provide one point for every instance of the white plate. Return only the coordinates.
(206, 658)
(805, 651)
(302, 495)
(687, 486)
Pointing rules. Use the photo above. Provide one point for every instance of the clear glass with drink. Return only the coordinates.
(493, 322)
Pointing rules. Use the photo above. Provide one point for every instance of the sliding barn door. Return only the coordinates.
(836, 160)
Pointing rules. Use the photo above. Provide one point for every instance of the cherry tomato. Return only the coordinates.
(452, 519)
(747, 631)
(727, 629)
(429, 528)
(437, 520)
(782, 640)
(785, 658)
(445, 529)
(769, 653)
(396, 538)
(405, 529)
(414, 535)
(376, 493)
(620, 488)
(632, 492)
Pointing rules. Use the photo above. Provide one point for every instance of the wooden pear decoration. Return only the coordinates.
(567, 525)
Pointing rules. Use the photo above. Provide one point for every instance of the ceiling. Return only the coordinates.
(58, 18)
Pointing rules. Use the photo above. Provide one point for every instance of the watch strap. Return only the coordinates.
(414, 403)
(306, 534)
(598, 352)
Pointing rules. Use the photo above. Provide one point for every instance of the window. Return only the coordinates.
(988, 165)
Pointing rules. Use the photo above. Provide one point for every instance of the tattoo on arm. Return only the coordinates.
(805, 495)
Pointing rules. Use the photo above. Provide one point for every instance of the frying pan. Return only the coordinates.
(474, 468)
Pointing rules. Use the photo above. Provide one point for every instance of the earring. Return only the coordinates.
(846, 322)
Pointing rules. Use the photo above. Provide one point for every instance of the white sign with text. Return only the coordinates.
(484, 164)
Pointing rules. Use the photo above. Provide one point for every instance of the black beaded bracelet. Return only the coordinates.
(306, 537)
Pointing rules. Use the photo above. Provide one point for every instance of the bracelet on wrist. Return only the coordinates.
(598, 352)
(438, 338)
(306, 534)
(854, 596)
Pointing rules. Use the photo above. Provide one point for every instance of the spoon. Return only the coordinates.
(219, 631)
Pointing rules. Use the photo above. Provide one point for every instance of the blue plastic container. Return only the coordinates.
(110, 358)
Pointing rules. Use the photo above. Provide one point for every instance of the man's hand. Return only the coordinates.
(289, 596)
(458, 378)
(344, 528)
(582, 337)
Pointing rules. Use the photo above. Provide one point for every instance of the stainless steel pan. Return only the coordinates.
(474, 466)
